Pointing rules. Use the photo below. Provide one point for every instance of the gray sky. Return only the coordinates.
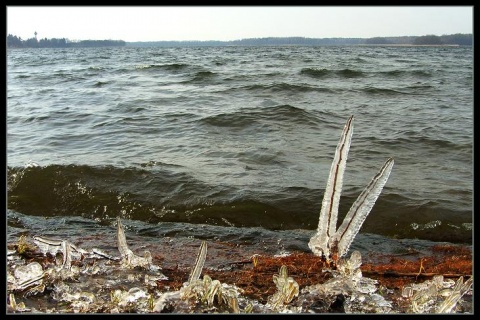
(157, 23)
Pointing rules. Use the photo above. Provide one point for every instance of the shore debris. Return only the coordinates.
(27, 278)
(436, 295)
(287, 289)
(100, 285)
(201, 295)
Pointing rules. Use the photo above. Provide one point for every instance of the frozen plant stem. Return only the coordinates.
(199, 262)
(328, 241)
(128, 258)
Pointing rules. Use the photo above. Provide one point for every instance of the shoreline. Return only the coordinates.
(408, 45)
(233, 264)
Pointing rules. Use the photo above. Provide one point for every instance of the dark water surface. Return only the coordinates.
(235, 143)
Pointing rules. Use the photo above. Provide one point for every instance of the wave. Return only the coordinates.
(349, 73)
(100, 84)
(202, 76)
(64, 77)
(322, 73)
(352, 73)
(384, 91)
(158, 192)
(158, 195)
(416, 139)
(172, 67)
(316, 73)
(286, 87)
(403, 73)
(244, 118)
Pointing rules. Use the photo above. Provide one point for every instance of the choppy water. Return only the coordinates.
(236, 143)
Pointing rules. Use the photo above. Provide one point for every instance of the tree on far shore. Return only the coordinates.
(17, 42)
(428, 40)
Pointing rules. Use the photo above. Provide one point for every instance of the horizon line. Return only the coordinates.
(267, 37)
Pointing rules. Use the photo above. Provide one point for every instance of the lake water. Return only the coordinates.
(236, 143)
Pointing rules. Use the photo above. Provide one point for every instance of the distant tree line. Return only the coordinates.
(459, 39)
(270, 41)
(453, 39)
(17, 42)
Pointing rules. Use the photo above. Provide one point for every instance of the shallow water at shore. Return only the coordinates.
(168, 237)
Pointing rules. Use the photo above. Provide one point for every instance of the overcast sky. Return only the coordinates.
(157, 23)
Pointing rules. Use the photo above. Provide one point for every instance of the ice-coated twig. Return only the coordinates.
(327, 222)
(67, 255)
(328, 241)
(97, 253)
(199, 262)
(129, 259)
(48, 245)
(122, 241)
(360, 209)
(54, 246)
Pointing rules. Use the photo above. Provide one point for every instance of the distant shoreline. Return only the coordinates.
(272, 45)
(409, 45)
(453, 40)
